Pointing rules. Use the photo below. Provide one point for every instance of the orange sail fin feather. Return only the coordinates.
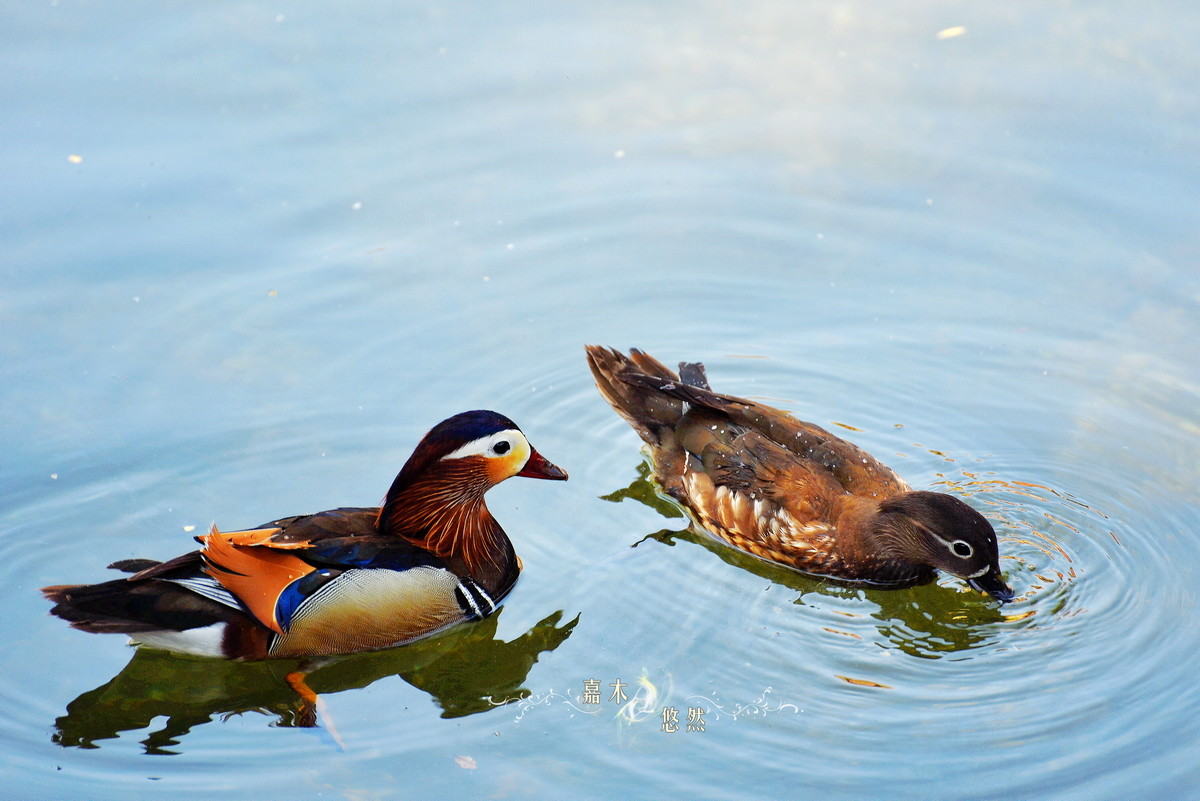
(259, 536)
(257, 576)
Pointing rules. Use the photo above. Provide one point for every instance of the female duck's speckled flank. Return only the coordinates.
(339, 581)
(791, 492)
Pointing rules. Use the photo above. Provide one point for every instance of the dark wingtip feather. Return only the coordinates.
(677, 389)
(57, 593)
(694, 375)
(134, 565)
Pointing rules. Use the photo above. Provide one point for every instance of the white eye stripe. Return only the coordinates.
(486, 446)
(951, 543)
(937, 537)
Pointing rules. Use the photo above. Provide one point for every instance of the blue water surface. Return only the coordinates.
(252, 252)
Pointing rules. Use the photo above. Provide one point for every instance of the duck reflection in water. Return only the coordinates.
(465, 670)
(336, 582)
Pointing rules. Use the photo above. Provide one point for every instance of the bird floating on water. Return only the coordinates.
(340, 581)
(791, 492)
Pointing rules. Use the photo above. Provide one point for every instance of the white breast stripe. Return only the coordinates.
(479, 598)
(467, 601)
(491, 605)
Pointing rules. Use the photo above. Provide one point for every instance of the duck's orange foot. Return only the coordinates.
(312, 711)
(306, 715)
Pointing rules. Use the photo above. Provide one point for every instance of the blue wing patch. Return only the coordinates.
(300, 591)
(366, 552)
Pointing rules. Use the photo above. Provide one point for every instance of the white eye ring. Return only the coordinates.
(489, 446)
(962, 549)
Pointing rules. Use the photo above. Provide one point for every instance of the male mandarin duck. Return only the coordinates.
(791, 492)
(339, 581)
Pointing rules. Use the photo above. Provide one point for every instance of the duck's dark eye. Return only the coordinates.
(502, 447)
(962, 549)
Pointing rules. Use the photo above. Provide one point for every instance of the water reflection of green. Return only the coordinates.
(931, 621)
(466, 670)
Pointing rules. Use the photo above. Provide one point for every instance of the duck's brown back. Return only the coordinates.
(754, 476)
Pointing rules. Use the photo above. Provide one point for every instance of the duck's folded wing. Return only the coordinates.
(332, 524)
(808, 444)
(751, 486)
(273, 578)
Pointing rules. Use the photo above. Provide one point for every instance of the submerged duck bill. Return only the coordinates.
(993, 584)
(539, 466)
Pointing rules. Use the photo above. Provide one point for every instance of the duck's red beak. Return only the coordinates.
(539, 467)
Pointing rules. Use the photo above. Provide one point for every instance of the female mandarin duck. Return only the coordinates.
(339, 581)
(791, 492)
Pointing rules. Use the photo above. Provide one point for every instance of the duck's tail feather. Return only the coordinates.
(131, 606)
(649, 412)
